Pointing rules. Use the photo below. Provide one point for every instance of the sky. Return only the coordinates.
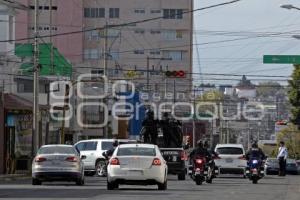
(244, 19)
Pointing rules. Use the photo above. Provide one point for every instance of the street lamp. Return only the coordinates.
(289, 7)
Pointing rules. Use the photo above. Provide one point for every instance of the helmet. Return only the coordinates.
(199, 143)
(206, 145)
(254, 144)
(115, 143)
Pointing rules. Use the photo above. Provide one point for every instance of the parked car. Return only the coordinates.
(57, 163)
(93, 150)
(291, 166)
(231, 159)
(271, 166)
(298, 163)
(137, 164)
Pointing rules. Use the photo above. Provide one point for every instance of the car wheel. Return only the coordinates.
(163, 186)
(181, 176)
(111, 185)
(36, 182)
(100, 168)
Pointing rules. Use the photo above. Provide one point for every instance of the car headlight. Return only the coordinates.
(254, 161)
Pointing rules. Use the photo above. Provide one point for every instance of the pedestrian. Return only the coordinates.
(282, 156)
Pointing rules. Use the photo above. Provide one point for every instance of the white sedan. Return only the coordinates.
(137, 164)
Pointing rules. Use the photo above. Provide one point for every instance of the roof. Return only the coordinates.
(137, 145)
(57, 145)
(229, 145)
(15, 102)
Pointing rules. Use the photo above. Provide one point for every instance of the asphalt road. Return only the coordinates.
(269, 188)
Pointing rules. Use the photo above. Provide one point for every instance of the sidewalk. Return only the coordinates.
(12, 177)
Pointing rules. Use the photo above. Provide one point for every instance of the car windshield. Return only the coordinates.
(107, 145)
(56, 150)
(229, 151)
(87, 146)
(136, 151)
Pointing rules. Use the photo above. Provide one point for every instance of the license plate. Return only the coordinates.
(56, 163)
(135, 173)
(197, 173)
(174, 159)
(170, 153)
(229, 160)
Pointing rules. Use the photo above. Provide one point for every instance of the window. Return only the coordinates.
(155, 52)
(114, 13)
(139, 31)
(172, 13)
(87, 146)
(114, 55)
(230, 150)
(172, 34)
(56, 150)
(94, 12)
(97, 71)
(139, 11)
(139, 52)
(46, 7)
(155, 31)
(136, 151)
(174, 55)
(92, 54)
(54, 7)
(155, 11)
(106, 145)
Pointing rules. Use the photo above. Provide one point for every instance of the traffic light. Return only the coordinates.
(175, 74)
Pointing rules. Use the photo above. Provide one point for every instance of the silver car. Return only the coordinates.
(137, 164)
(57, 163)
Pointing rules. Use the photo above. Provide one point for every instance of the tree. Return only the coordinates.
(267, 89)
(291, 137)
(294, 95)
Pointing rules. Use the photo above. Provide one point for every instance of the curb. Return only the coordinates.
(14, 177)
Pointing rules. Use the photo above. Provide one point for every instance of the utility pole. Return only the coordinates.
(105, 134)
(35, 125)
(51, 40)
(148, 76)
(194, 123)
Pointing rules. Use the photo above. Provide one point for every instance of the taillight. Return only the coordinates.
(40, 159)
(156, 162)
(183, 155)
(114, 161)
(199, 161)
(242, 158)
(71, 159)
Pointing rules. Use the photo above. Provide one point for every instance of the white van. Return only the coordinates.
(231, 159)
(93, 150)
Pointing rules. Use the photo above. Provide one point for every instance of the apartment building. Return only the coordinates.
(167, 42)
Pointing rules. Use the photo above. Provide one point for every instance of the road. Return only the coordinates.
(269, 188)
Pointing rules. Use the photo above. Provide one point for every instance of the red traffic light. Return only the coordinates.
(175, 74)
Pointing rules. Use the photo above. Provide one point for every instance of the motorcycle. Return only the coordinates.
(104, 154)
(201, 170)
(255, 170)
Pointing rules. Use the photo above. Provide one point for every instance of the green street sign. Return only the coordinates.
(281, 59)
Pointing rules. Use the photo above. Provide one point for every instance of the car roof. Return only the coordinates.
(137, 145)
(107, 140)
(230, 145)
(56, 145)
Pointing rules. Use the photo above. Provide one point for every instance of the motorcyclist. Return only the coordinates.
(255, 152)
(110, 152)
(200, 150)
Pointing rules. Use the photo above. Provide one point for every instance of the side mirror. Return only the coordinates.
(82, 157)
